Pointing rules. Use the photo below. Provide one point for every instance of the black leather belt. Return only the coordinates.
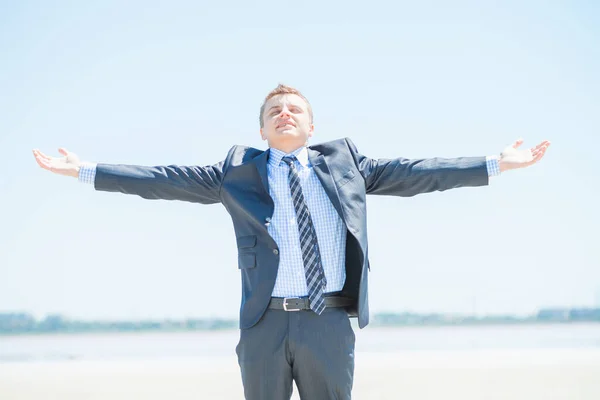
(302, 303)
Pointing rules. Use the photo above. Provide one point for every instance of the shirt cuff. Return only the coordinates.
(87, 173)
(493, 166)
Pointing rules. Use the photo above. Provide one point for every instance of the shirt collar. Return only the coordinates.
(301, 154)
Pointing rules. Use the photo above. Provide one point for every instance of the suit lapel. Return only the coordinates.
(261, 165)
(324, 174)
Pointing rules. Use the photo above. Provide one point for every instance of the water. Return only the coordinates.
(222, 343)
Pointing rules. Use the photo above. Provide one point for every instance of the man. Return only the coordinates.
(300, 224)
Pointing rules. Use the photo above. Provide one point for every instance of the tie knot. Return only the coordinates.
(289, 160)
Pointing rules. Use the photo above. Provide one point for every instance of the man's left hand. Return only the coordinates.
(512, 157)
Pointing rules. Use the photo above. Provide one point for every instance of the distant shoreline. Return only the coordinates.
(13, 324)
(375, 324)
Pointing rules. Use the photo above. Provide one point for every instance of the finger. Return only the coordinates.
(539, 156)
(517, 143)
(545, 143)
(536, 160)
(540, 147)
(63, 151)
(42, 155)
(535, 152)
(536, 156)
(43, 163)
(38, 153)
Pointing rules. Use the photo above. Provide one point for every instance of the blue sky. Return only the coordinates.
(157, 83)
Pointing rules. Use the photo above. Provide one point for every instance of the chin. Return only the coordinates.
(288, 139)
(288, 132)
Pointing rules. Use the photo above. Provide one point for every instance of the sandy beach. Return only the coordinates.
(490, 374)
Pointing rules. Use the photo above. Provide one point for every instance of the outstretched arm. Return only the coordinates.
(197, 184)
(409, 177)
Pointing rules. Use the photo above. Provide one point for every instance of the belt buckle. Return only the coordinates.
(285, 304)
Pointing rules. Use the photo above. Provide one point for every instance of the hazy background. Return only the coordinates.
(154, 83)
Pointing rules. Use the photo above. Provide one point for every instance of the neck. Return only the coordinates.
(287, 148)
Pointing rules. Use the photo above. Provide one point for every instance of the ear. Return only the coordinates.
(311, 130)
(262, 135)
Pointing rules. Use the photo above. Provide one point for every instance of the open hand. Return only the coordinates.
(68, 165)
(512, 157)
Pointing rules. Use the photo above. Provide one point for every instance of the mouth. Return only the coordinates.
(285, 123)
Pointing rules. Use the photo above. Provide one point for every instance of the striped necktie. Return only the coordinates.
(313, 268)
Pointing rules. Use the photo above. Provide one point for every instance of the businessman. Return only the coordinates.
(300, 224)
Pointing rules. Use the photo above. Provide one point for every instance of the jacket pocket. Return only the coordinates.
(244, 242)
(246, 260)
(347, 177)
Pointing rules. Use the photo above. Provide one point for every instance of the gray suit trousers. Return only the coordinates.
(315, 351)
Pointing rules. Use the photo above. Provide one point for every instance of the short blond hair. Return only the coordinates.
(283, 89)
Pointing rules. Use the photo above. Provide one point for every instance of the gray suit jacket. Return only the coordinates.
(240, 183)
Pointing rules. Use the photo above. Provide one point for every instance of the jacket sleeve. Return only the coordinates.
(196, 184)
(409, 177)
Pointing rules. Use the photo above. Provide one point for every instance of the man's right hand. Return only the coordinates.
(68, 165)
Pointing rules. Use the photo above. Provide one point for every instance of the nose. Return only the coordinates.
(284, 112)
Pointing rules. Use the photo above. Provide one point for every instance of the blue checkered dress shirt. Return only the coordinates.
(331, 232)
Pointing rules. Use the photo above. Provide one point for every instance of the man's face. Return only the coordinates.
(287, 124)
